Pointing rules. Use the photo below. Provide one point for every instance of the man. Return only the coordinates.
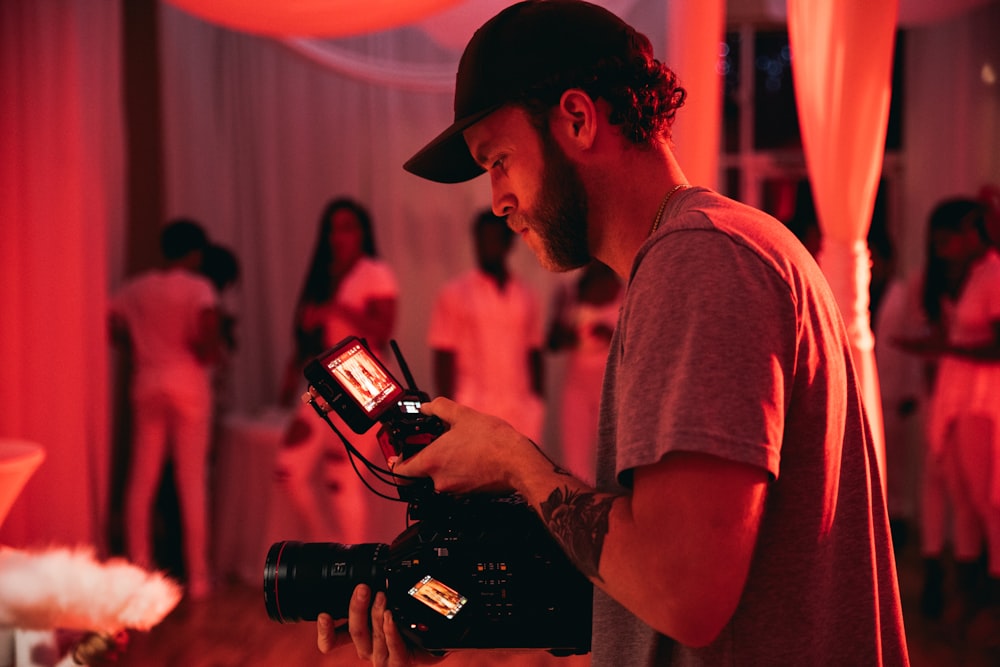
(739, 516)
(486, 335)
(168, 320)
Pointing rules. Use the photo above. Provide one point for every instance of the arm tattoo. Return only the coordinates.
(579, 521)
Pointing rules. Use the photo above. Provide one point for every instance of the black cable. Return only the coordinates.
(384, 475)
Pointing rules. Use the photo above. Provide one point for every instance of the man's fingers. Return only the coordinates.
(357, 621)
(415, 466)
(329, 634)
(440, 407)
(394, 642)
(380, 653)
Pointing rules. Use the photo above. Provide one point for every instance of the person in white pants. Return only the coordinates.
(168, 320)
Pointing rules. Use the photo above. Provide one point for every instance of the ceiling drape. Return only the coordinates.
(842, 54)
(329, 18)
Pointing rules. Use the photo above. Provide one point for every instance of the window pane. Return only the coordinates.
(729, 62)
(731, 184)
(776, 123)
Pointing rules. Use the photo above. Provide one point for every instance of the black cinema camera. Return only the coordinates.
(473, 572)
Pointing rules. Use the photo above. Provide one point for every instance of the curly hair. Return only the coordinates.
(643, 93)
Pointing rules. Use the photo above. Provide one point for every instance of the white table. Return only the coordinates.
(247, 503)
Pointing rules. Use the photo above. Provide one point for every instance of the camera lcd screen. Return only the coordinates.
(438, 596)
(363, 377)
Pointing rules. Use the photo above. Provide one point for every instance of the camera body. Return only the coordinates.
(478, 571)
(481, 572)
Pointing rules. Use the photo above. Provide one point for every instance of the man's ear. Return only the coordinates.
(575, 118)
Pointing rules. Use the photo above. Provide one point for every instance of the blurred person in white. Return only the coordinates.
(583, 322)
(961, 301)
(348, 291)
(168, 320)
(222, 267)
(486, 334)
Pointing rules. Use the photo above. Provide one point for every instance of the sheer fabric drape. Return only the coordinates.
(60, 198)
(842, 55)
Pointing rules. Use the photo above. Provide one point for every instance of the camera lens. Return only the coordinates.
(303, 579)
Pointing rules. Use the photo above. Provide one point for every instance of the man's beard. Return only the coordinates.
(561, 216)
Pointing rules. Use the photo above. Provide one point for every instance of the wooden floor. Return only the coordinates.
(231, 629)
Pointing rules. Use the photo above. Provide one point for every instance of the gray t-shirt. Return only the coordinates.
(731, 343)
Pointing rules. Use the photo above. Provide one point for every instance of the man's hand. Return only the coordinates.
(378, 642)
(331, 634)
(479, 452)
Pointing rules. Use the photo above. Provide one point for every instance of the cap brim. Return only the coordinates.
(446, 159)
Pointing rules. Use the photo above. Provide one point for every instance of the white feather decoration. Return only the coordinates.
(70, 589)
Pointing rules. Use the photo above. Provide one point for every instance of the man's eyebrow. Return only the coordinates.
(481, 157)
(482, 154)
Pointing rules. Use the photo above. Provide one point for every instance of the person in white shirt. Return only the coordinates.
(168, 319)
(348, 291)
(486, 335)
(962, 304)
(586, 313)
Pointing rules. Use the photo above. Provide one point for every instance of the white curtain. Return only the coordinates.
(842, 66)
(60, 201)
(258, 138)
(260, 134)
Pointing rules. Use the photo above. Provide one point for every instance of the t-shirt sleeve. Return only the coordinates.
(709, 337)
(205, 295)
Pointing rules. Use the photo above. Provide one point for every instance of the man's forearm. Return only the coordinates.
(578, 519)
(575, 514)
(674, 550)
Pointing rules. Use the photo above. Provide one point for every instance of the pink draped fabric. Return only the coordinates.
(695, 30)
(18, 461)
(60, 190)
(842, 65)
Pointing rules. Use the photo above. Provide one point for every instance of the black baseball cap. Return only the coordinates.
(519, 48)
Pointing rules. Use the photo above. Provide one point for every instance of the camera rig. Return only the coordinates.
(478, 571)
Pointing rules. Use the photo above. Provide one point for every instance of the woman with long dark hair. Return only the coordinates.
(961, 301)
(347, 291)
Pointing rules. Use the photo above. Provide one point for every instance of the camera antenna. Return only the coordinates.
(411, 384)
